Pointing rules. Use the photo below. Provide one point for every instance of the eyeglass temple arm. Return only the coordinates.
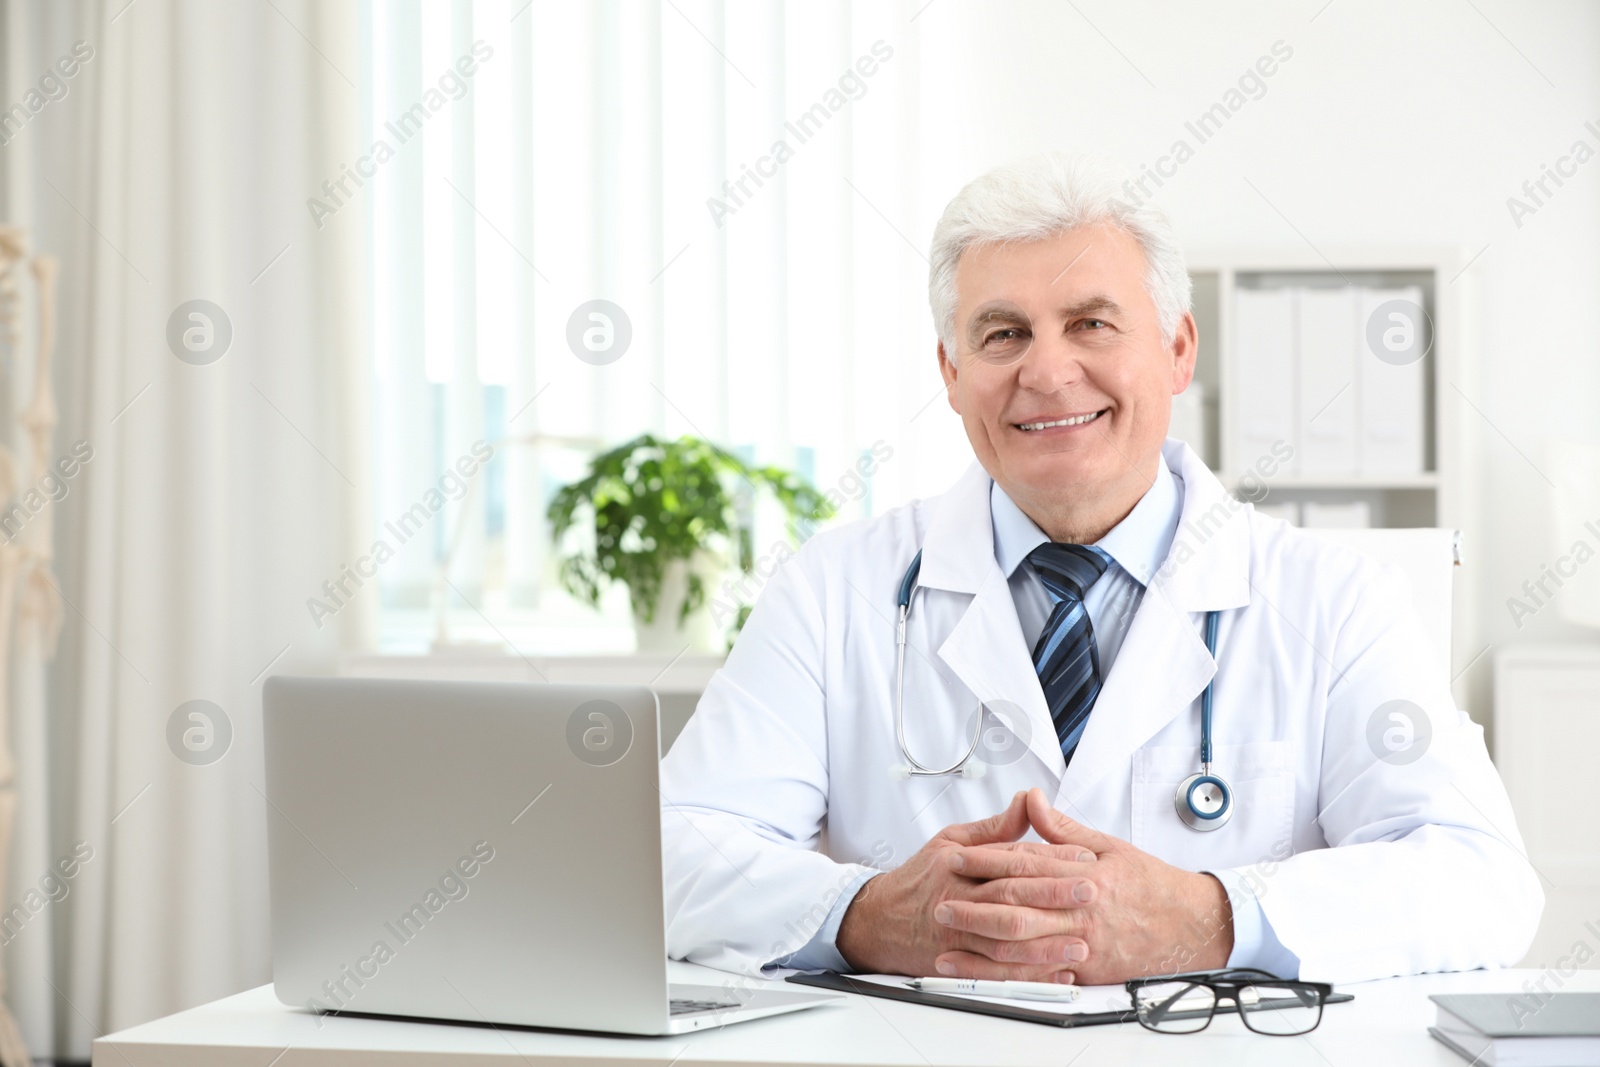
(1158, 1011)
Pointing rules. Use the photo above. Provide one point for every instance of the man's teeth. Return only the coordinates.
(1077, 420)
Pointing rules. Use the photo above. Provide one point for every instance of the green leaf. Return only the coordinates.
(649, 502)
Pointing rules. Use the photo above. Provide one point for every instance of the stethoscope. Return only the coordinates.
(1203, 801)
(911, 768)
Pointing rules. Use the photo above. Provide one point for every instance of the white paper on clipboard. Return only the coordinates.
(1091, 998)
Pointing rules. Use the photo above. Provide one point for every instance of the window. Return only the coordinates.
(704, 167)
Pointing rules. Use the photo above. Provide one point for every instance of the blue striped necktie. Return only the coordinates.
(1065, 657)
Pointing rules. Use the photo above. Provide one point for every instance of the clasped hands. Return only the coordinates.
(1078, 906)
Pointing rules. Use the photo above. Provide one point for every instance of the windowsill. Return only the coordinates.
(689, 672)
(560, 627)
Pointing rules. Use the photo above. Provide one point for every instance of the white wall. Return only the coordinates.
(1390, 124)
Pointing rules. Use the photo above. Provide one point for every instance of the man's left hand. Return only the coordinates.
(1141, 916)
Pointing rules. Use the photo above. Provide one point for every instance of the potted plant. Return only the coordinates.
(666, 516)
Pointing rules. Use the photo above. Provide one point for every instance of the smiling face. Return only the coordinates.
(1061, 376)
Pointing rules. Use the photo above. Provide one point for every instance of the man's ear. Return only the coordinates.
(1185, 348)
(947, 371)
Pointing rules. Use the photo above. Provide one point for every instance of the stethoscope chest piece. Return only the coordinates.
(1204, 801)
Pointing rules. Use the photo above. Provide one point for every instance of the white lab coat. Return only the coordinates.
(779, 788)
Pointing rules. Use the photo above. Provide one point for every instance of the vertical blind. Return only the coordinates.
(740, 179)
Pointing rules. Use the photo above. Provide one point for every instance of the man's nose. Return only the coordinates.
(1050, 364)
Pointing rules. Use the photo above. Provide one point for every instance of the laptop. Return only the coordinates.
(478, 851)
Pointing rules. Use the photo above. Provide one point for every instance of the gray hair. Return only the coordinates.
(1039, 197)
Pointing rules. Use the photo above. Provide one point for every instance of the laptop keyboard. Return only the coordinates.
(684, 1007)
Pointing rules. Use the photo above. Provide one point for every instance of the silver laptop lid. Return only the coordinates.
(483, 851)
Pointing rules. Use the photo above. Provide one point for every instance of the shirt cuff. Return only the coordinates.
(821, 953)
(1254, 942)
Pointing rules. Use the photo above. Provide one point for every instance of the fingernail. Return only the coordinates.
(942, 914)
(1077, 951)
(958, 862)
(1086, 857)
(945, 967)
(1083, 892)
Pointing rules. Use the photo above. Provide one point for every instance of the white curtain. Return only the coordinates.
(176, 167)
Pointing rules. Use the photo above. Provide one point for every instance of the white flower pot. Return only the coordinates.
(665, 635)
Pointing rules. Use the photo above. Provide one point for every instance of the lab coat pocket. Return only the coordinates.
(1261, 778)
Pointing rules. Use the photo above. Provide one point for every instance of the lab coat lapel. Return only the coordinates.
(1163, 664)
(985, 648)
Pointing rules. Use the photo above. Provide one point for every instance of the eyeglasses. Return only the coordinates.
(1185, 1003)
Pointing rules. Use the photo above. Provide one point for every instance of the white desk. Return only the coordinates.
(1386, 1023)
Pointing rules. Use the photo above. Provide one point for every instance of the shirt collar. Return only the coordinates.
(1138, 544)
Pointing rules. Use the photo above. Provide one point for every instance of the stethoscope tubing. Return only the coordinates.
(914, 768)
(1205, 698)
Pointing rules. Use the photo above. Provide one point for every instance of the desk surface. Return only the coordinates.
(1386, 1023)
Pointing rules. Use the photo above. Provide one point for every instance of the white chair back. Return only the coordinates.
(1428, 556)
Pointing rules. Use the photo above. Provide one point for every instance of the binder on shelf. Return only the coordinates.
(1264, 365)
(1391, 385)
(1326, 352)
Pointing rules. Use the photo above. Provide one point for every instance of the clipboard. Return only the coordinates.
(843, 983)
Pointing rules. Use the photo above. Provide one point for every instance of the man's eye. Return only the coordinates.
(1095, 322)
(1002, 336)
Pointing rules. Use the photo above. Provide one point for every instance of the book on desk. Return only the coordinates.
(1521, 1029)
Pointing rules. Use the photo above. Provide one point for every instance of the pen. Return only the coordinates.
(1013, 990)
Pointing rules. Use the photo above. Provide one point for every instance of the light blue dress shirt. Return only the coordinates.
(1137, 545)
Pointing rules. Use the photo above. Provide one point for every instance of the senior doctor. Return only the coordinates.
(1059, 608)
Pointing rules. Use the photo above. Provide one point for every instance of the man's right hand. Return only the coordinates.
(889, 928)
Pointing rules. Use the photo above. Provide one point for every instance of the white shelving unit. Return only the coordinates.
(1428, 498)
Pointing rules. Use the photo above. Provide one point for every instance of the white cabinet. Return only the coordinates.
(1547, 744)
